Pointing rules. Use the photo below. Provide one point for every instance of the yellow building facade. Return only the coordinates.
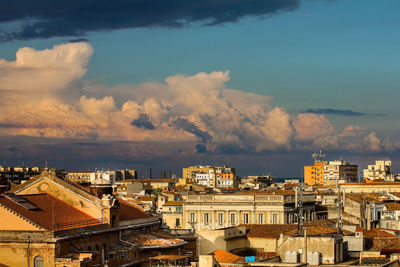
(314, 174)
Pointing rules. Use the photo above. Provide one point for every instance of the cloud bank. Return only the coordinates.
(340, 112)
(44, 19)
(42, 95)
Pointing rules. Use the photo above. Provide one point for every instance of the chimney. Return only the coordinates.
(151, 175)
(170, 174)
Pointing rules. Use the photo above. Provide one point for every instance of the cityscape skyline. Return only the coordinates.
(259, 86)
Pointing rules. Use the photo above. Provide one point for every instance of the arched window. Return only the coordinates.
(38, 262)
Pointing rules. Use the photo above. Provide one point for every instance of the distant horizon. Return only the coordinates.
(259, 85)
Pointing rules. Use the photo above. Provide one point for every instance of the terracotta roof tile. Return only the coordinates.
(130, 211)
(374, 232)
(268, 230)
(145, 198)
(376, 197)
(391, 206)
(222, 256)
(49, 211)
(319, 230)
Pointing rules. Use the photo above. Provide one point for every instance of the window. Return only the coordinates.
(274, 218)
(233, 218)
(245, 218)
(177, 223)
(206, 218)
(261, 218)
(192, 217)
(38, 262)
(220, 219)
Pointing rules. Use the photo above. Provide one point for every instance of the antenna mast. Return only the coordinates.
(318, 156)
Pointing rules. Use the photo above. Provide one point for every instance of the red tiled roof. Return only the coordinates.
(376, 197)
(392, 206)
(374, 232)
(222, 256)
(129, 211)
(268, 230)
(145, 198)
(319, 230)
(49, 211)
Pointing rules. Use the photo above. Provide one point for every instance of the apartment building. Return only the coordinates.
(212, 176)
(214, 211)
(314, 174)
(381, 170)
(340, 171)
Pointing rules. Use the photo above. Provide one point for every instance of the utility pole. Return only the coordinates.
(339, 208)
(299, 207)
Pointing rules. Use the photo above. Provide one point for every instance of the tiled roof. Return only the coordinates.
(374, 232)
(222, 256)
(385, 244)
(49, 211)
(319, 230)
(173, 203)
(129, 211)
(268, 230)
(391, 206)
(326, 222)
(376, 197)
(397, 194)
(158, 239)
(145, 198)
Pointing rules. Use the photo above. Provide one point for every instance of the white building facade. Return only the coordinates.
(382, 170)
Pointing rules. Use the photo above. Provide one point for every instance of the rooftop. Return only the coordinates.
(130, 211)
(47, 211)
(222, 256)
(268, 230)
(156, 239)
(173, 203)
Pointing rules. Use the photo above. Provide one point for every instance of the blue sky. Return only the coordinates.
(338, 55)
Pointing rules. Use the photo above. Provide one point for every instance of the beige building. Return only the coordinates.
(78, 176)
(382, 170)
(374, 187)
(49, 221)
(172, 214)
(212, 176)
(317, 245)
(213, 211)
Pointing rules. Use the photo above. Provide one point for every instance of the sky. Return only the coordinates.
(254, 84)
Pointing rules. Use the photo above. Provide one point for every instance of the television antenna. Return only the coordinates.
(318, 156)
